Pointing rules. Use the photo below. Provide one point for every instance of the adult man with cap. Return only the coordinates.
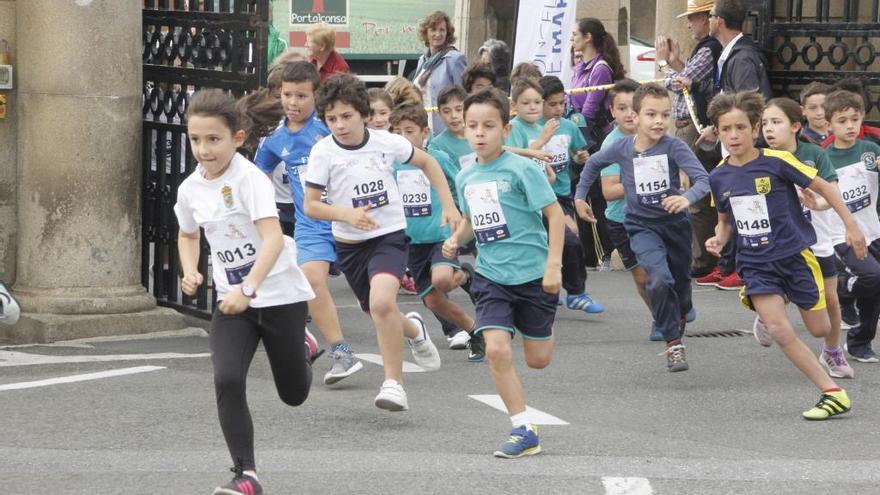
(697, 74)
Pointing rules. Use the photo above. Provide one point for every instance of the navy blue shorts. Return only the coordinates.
(524, 307)
(828, 265)
(620, 240)
(798, 278)
(422, 259)
(361, 262)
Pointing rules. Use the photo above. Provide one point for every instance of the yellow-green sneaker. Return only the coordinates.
(830, 404)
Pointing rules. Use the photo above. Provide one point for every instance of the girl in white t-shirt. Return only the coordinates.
(261, 292)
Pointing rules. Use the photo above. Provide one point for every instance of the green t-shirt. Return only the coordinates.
(615, 210)
(504, 200)
(421, 203)
(457, 148)
(814, 156)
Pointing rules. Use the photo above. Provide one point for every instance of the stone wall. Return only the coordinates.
(8, 154)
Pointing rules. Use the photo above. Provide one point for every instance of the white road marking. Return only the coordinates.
(12, 358)
(627, 486)
(80, 378)
(537, 417)
(377, 359)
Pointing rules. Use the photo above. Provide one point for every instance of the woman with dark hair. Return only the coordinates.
(441, 66)
(599, 64)
(497, 53)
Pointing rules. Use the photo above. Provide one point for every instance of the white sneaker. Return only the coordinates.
(392, 397)
(424, 351)
(762, 335)
(9, 308)
(459, 340)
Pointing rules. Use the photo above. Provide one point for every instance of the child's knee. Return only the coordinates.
(443, 282)
(538, 361)
(498, 353)
(382, 307)
(780, 330)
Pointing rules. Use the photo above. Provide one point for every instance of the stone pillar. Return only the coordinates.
(672, 27)
(471, 26)
(78, 263)
(8, 132)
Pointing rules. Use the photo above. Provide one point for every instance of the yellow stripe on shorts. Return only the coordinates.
(813, 263)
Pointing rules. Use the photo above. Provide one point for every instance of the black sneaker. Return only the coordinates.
(241, 484)
(476, 348)
(468, 269)
(849, 316)
(863, 354)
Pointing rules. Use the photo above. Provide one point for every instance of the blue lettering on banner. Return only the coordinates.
(550, 30)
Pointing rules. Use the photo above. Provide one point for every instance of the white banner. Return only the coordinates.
(543, 36)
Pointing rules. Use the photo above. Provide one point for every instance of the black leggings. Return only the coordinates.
(233, 341)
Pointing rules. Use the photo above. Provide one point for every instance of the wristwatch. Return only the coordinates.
(662, 65)
(248, 291)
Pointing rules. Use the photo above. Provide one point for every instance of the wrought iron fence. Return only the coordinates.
(820, 40)
(187, 45)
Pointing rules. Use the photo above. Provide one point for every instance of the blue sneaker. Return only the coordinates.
(692, 314)
(656, 335)
(583, 302)
(522, 442)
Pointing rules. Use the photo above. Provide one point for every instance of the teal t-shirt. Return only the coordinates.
(567, 141)
(457, 148)
(504, 199)
(615, 211)
(421, 203)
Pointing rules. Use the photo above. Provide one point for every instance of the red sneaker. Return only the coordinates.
(408, 286)
(711, 278)
(730, 282)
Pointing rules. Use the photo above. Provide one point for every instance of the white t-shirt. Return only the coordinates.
(858, 188)
(281, 182)
(227, 207)
(354, 176)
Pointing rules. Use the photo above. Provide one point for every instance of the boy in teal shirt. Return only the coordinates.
(539, 129)
(434, 275)
(518, 274)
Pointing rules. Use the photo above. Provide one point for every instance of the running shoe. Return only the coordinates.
(730, 282)
(476, 348)
(605, 266)
(834, 361)
(313, 352)
(344, 365)
(424, 351)
(583, 302)
(522, 442)
(863, 354)
(675, 359)
(656, 334)
(711, 278)
(392, 397)
(849, 316)
(241, 484)
(408, 286)
(830, 404)
(9, 308)
(459, 341)
(762, 335)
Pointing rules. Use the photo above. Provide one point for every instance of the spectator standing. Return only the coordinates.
(441, 66)
(321, 41)
(697, 74)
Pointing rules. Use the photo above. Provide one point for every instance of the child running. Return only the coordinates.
(355, 168)
(656, 212)
(291, 144)
(261, 293)
(813, 107)
(435, 275)
(754, 189)
(517, 275)
(534, 128)
(626, 122)
(780, 124)
(855, 162)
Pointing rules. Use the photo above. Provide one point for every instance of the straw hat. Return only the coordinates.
(697, 6)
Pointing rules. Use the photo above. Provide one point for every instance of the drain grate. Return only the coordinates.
(720, 333)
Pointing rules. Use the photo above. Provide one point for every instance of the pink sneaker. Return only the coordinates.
(834, 361)
(408, 286)
(313, 352)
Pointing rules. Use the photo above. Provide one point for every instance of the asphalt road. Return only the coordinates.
(729, 425)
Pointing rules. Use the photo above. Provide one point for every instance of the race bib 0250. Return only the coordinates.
(487, 216)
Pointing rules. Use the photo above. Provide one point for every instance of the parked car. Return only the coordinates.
(641, 60)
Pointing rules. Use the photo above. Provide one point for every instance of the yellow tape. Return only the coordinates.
(606, 87)
(691, 109)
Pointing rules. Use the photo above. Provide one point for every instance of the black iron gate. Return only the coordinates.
(820, 40)
(187, 45)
